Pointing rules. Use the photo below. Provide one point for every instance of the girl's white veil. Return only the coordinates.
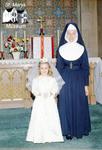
(34, 72)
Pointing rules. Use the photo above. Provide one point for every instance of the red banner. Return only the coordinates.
(42, 46)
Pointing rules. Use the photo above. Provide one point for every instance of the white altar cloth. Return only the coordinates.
(34, 62)
(94, 59)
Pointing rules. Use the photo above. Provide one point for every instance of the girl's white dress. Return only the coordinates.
(44, 124)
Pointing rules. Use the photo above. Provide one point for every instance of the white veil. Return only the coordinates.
(34, 72)
(57, 76)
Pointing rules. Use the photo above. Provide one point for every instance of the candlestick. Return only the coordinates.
(58, 34)
(25, 40)
(16, 34)
(1, 41)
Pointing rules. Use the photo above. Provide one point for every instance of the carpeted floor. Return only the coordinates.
(14, 125)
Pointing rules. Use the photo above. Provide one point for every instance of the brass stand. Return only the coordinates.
(92, 98)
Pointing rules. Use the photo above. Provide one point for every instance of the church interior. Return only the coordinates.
(29, 31)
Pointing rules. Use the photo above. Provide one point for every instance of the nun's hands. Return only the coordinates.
(86, 90)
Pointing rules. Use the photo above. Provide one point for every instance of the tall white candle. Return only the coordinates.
(58, 36)
(16, 34)
(1, 41)
(25, 40)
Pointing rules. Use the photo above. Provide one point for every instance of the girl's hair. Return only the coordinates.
(50, 73)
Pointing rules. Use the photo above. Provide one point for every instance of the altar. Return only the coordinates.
(13, 82)
(13, 91)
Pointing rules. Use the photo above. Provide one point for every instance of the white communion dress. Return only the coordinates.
(44, 124)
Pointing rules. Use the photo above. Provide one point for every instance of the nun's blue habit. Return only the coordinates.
(72, 64)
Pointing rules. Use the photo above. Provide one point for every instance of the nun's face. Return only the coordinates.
(71, 35)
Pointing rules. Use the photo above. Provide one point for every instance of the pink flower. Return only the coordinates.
(6, 45)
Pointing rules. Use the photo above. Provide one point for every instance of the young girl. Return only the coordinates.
(44, 125)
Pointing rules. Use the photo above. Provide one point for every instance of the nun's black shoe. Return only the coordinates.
(68, 137)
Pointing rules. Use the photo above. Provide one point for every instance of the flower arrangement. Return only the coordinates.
(14, 45)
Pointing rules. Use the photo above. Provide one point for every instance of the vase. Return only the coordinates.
(16, 55)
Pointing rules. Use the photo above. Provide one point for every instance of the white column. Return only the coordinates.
(58, 36)
(1, 41)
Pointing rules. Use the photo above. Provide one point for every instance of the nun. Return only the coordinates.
(72, 64)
